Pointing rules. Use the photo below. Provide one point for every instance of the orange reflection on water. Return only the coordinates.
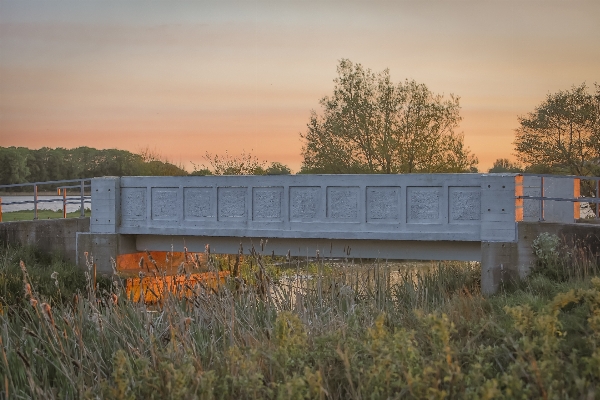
(152, 274)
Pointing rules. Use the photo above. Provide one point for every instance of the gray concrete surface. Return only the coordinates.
(51, 236)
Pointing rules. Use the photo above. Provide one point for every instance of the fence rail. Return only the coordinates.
(82, 185)
(578, 199)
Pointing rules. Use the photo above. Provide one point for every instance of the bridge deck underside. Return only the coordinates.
(338, 248)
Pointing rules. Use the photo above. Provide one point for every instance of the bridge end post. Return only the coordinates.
(500, 210)
(104, 242)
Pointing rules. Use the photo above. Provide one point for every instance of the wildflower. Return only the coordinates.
(55, 277)
(115, 299)
(33, 302)
(22, 265)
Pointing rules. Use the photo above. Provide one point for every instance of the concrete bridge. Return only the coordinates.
(471, 217)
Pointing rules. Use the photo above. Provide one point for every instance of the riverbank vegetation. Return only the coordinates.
(326, 331)
(27, 215)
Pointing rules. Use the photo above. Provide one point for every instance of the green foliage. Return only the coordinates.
(407, 334)
(505, 165)
(243, 164)
(27, 215)
(277, 168)
(13, 165)
(371, 125)
(546, 248)
(20, 165)
(560, 262)
(562, 134)
(53, 280)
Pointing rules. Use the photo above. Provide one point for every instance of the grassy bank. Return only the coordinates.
(27, 215)
(326, 331)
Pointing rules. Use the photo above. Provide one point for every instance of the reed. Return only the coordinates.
(288, 328)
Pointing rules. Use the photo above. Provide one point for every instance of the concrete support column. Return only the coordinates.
(499, 264)
(102, 249)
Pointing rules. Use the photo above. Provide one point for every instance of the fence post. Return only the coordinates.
(542, 198)
(64, 194)
(82, 214)
(35, 207)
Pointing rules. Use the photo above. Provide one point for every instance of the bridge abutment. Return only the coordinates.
(102, 249)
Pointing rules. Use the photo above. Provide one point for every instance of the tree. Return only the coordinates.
(370, 125)
(13, 165)
(244, 164)
(505, 165)
(277, 168)
(562, 134)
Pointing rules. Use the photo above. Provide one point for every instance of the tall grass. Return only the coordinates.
(323, 331)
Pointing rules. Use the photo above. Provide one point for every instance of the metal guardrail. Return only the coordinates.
(542, 198)
(83, 199)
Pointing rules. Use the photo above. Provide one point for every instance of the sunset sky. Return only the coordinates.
(186, 78)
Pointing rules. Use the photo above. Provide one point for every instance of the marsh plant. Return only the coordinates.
(322, 330)
(560, 261)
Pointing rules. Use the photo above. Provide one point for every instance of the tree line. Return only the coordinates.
(20, 164)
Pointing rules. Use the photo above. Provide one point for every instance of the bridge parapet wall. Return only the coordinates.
(454, 207)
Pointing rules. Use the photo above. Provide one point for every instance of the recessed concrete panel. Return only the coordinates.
(164, 203)
(311, 206)
(267, 203)
(465, 204)
(133, 204)
(423, 204)
(232, 203)
(383, 204)
(305, 203)
(198, 203)
(342, 203)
